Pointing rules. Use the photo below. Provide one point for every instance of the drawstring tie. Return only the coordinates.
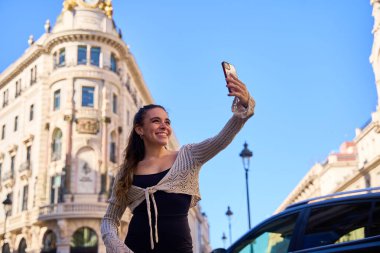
(149, 192)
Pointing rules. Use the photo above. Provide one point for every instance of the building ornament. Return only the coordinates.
(12, 149)
(68, 118)
(28, 140)
(104, 5)
(106, 120)
(69, 5)
(87, 126)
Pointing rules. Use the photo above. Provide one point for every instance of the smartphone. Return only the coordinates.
(228, 68)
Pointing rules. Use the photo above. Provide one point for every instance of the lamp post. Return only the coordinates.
(7, 203)
(246, 154)
(224, 238)
(229, 214)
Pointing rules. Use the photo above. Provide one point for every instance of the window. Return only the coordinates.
(13, 165)
(56, 145)
(6, 248)
(3, 132)
(5, 98)
(28, 153)
(95, 56)
(25, 192)
(49, 242)
(84, 240)
(33, 74)
(273, 237)
(336, 224)
(375, 228)
(55, 61)
(114, 103)
(113, 63)
(57, 99)
(31, 112)
(22, 246)
(88, 96)
(53, 191)
(61, 57)
(113, 152)
(82, 55)
(16, 124)
(18, 88)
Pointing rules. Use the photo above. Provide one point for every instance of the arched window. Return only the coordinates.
(84, 240)
(49, 242)
(6, 248)
(56, 145)
(22, 246)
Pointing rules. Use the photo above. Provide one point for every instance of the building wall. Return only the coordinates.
(67, 189)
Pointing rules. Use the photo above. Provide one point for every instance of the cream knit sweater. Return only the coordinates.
(181, 178)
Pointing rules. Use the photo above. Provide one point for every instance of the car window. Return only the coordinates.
(273, 237)
(336, 224)
(375, 226)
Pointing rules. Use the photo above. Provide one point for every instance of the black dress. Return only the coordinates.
(173, 226)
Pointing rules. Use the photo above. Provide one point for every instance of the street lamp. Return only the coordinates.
(246, 154)
(7, 203)
(229, 214)
(224, 238)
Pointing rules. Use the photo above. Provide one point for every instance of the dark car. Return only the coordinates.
(342, 222)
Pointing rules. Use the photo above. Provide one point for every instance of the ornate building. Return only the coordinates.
(357, 164)
(66, 108)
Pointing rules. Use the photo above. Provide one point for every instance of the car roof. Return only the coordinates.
(355, 195)
(372, 192)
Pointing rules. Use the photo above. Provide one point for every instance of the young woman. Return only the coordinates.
(158, 185)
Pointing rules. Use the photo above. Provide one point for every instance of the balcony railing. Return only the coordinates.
(74, 210)
(25, 166)
(8, 175)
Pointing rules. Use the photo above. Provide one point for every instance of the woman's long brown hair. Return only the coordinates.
(133, 154)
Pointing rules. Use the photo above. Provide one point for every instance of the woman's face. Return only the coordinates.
(155, 129)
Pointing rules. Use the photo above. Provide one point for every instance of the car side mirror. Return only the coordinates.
(220, 250)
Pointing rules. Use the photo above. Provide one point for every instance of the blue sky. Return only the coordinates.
(305, 62)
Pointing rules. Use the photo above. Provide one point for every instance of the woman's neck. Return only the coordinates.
(155, 152)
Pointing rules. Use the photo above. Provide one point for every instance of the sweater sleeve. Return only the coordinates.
(207, 149)
(111, 222)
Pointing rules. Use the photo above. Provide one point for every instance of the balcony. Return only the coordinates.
(8, 179)
(74, 210)
(25, 170)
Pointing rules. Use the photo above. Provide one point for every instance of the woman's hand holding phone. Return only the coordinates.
(235, 87)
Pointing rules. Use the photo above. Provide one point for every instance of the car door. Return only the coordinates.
(351, 226)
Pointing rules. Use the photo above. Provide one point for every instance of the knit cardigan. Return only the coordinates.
(183, 177)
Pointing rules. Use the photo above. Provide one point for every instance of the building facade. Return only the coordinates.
(357, 164)
(66, 110)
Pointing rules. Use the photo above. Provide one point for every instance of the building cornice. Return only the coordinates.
(86, 35)
(19, 66)
(55, 39)
(138, 78)
(364, 132)
(374, 163)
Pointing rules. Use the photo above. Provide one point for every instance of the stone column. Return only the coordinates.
(105, 121)
(103, 171)
(63, 242)
(69, 118)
